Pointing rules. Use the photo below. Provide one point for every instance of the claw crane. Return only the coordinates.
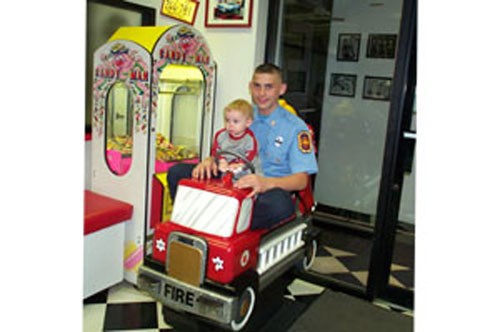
(153, 94)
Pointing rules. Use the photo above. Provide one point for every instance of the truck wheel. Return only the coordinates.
(310, 254)
(246, 304)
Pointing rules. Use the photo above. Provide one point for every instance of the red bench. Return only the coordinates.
(104, 241)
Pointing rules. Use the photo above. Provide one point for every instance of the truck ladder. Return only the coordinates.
(277, 248)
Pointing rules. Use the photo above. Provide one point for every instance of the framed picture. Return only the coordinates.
(228, 13)
(382, 46)
(378, 88)
(182, 10)
(343, 85)
(348, 47)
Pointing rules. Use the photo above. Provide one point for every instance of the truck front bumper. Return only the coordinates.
(181, 296)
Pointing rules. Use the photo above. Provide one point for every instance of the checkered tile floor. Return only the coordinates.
(346, 257)
(341, 256)
(125, 308)
(349, 267)
(122, 307)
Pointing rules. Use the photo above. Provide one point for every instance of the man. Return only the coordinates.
(285, 149)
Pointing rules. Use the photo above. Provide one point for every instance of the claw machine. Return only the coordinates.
(153, 94)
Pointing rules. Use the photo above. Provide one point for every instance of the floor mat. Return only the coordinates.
(339, 312)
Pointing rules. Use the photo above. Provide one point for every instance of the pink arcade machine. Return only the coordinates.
(153, 94)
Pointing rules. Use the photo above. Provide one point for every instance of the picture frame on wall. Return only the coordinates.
(348, 46)
(343, 85)
(377, 88)
(228, 14)
(381, 46)
(182, 10)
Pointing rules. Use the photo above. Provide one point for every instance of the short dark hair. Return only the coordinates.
(269, 68)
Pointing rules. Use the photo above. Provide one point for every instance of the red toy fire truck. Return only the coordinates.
(209, 263)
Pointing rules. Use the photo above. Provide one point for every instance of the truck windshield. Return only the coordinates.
(205, 211)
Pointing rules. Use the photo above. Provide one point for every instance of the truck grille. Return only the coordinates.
(186, 258)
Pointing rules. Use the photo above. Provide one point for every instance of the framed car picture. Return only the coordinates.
(228, 14)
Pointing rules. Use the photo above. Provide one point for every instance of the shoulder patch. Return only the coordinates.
(305, 141)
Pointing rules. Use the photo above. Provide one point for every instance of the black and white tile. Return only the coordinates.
(125, 308)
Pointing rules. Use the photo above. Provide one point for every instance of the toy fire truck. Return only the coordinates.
(209, 263)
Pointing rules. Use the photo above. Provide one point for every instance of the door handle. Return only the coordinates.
(409, 141)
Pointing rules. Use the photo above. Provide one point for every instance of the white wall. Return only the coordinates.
(237, 51)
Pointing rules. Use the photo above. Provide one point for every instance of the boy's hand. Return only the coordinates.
(205, 169)
(236, 168)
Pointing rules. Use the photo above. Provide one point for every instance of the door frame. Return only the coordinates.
(391, 183)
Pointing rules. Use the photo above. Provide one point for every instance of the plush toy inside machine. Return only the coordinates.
(179, 120)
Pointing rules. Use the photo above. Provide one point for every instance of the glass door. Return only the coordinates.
(340, 63)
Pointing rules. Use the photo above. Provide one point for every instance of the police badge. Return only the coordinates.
(305, 141)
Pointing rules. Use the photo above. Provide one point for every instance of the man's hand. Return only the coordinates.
(256, 182)
(206, 168)
(260, 184)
